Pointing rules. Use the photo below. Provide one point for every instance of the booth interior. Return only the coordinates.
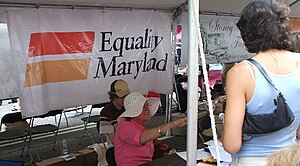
(46, 148)
(42, 152)
(58, 58)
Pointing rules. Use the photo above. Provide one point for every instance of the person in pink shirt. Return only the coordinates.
(134, 142)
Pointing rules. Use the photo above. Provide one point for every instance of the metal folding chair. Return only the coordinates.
(73, 109)
(203, 124)
(15, 133)
(44, 128)
(181, 94)
(91, 119)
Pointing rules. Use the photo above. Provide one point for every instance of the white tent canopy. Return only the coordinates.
(235, 6)
(206, 6)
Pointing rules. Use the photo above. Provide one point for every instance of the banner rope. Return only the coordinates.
(208, 92)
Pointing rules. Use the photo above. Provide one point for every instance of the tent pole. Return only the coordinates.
(193, 68)
(170, 96)
(168, 111)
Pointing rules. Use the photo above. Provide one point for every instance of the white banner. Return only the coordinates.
(222, 41)
(8, 83)
(69, 58)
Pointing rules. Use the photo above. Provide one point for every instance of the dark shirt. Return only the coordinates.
(109, 114)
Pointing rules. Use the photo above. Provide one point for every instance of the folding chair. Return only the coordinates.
(182, 94)
(91, 119)
(175, 90)
(73, 109)
(44, 128)
(203, 124)
(15, 133)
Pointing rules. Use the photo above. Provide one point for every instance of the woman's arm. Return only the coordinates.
(237, 83)
(153, 133)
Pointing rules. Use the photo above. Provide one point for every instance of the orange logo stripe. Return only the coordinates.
(49, 43)
(56, 71)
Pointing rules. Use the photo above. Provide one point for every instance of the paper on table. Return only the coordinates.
(224, 156)
(67, 157)
(225, 163)
(201, 154)
(212, 143)
(206, 164)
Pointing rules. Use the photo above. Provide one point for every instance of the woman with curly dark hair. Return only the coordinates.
(265, 29)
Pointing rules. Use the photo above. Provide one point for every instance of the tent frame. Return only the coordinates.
(193, 6)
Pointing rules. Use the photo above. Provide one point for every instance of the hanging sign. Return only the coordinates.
(222, 42)
(68, 58)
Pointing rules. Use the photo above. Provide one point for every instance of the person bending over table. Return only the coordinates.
(134, 142)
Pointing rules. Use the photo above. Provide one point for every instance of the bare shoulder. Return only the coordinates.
(240, 81)
(238, 70)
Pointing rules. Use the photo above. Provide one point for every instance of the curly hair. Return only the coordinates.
(264, 24)
(295, 38)
(289, 156)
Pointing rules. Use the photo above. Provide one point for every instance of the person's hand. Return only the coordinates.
(179, 122)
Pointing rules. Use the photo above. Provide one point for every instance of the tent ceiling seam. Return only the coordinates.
(219, 13)
(73, 6)
(230, 14)
(293, 3)
(179, 9)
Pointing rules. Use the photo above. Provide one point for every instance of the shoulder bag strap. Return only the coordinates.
(263, 71)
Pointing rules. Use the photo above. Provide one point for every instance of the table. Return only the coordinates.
(85, 157)
(169, 160)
